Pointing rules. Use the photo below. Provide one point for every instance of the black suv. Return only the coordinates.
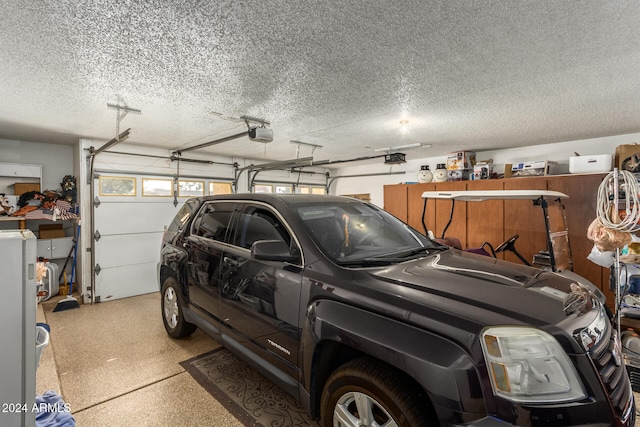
(367, 322)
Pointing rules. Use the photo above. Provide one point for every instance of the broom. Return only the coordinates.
(70, 302)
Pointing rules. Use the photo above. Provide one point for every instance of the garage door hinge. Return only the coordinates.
(97, 235)
(97, 269)
(96, 202)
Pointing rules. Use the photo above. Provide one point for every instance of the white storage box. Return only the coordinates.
(587, 164)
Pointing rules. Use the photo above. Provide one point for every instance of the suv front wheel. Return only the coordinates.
(172, 317)
(364, 392)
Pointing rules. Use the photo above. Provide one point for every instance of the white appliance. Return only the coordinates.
(18, 331)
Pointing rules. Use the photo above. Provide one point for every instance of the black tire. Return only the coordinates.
(378, 389)
(171, 305)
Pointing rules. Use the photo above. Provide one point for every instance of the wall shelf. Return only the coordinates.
(12, 172)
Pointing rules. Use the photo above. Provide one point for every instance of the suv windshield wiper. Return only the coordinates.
(397, 257)
(416, 251)
(368, 262)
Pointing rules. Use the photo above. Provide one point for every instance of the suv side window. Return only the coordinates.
(213, 221)
(257, 223)
(183, 215)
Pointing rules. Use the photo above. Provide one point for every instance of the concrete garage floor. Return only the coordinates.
(114, 365)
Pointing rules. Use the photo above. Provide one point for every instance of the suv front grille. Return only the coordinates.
(608, 360)
(633, 368)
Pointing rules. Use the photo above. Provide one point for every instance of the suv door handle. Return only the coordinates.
(230, 261)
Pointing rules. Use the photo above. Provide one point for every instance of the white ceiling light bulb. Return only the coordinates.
(403, 126)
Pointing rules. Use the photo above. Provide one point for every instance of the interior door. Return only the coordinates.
(260, 299)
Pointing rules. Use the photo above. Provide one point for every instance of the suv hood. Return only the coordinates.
(474, 285)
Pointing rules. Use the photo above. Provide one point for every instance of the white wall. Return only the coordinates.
(56, 160)
(559, 153)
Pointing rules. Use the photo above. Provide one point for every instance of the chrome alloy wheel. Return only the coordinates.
(171, 311)
(356, 409)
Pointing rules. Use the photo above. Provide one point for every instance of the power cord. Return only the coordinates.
(608, 217)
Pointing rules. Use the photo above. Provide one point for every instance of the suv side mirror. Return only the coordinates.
(273, 250)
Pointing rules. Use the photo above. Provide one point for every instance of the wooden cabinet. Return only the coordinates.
(415, 203)
(524, 219)
(495, 221)
(395, 200)
(485, 220)
(580, 209)
(458, 226)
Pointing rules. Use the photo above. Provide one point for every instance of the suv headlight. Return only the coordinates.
(528, 365)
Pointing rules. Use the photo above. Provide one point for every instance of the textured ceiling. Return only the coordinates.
(341, 74)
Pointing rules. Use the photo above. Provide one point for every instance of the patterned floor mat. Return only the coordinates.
(249, 396)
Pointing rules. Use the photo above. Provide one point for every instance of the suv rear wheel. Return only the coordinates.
(172, 317)
(365, 392)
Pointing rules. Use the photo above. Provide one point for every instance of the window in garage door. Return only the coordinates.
(284, 189)
(157, 187)
(117, 186)
(220, 188)
(310, 190)
(190, 188)
(263, 188)
(130, 224)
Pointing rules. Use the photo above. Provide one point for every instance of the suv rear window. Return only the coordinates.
(181, 218)
(213, 221)
(183, 215)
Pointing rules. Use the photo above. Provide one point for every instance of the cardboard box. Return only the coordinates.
(461, 160)
(459, 175)
(534, 168)
(19, 188)
(482, 171)
(51, 231)
(507, 170)
(625, 151)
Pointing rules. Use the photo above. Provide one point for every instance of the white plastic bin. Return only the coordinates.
(42, 340)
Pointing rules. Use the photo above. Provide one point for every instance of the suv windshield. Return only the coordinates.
(358, 233)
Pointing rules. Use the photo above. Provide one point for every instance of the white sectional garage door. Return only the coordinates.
(130, 233)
